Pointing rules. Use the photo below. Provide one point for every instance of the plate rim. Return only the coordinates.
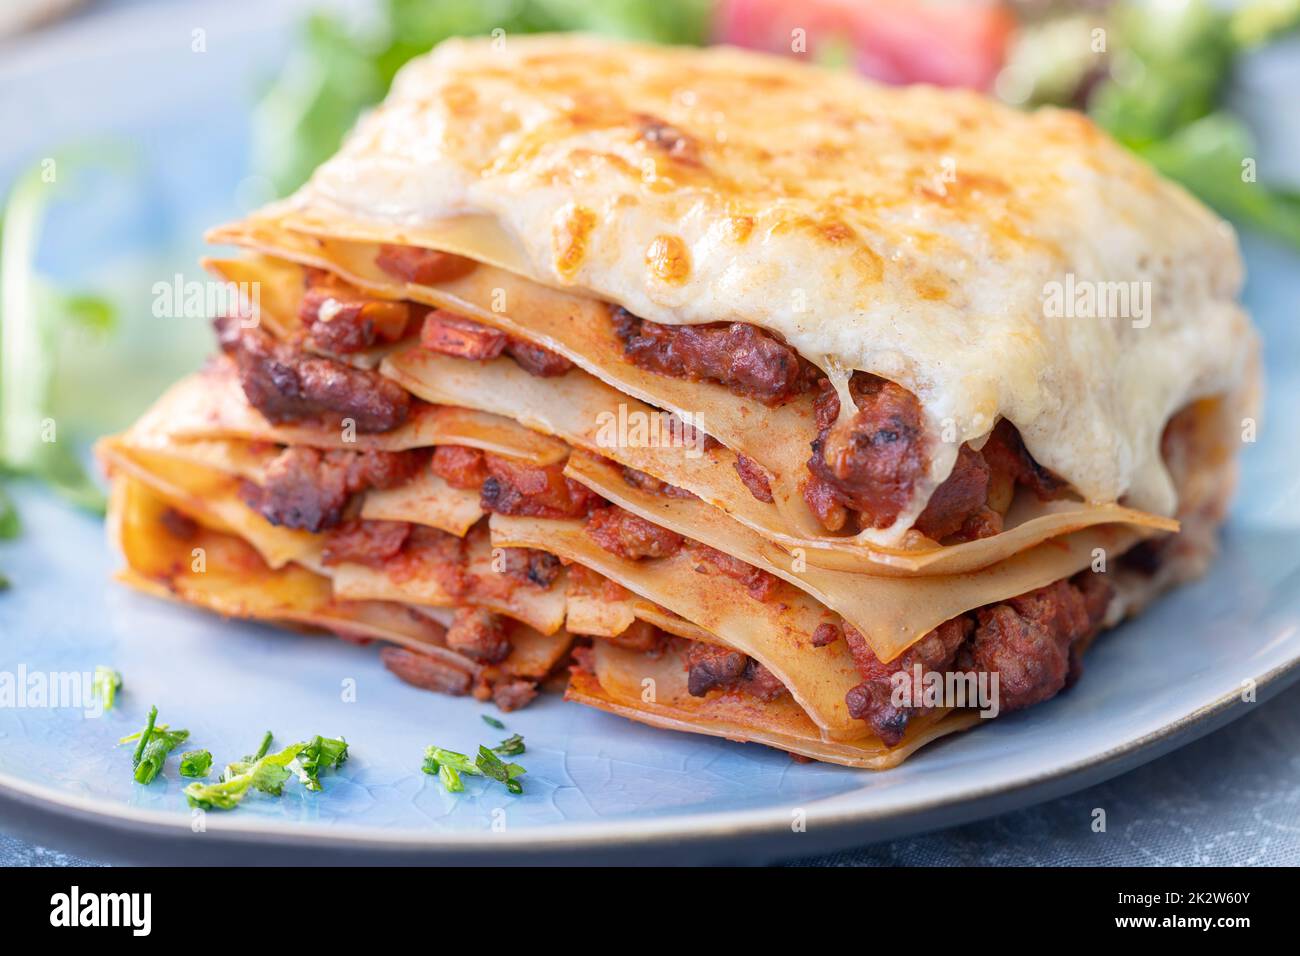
(659, 836)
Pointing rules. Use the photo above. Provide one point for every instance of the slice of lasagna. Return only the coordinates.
(728, 393)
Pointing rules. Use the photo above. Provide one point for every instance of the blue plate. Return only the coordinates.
(597, 787)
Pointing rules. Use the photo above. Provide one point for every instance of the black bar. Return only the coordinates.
(325, 904)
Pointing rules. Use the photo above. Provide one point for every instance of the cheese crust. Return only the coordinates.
(996, 263)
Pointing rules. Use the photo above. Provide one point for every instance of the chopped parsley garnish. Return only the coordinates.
(448, 765)
(153, 744)
(196, 763)
(261, 750)
(512, 746)
(319, 754)
(268, 772)
(490, 765)
(493, 722)
(107, 682)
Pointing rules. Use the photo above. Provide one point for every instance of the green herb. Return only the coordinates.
(9, 523)
(196, 763)
(248, 760)
(492, 722)
(261, 750)
(319, 754)
(490, 765)
(143, 736)
(32, 317)
(512, 746)
(4, 583)
(1164, 101)
(449, 765)
(268, 774)
(107, 683)
(153, 744)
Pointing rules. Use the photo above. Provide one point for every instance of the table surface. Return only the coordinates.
(1232, 798)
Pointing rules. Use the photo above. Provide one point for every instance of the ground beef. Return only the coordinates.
(340, 319)
(421, 266)
(287, 385)
(652, 485)
(1029, 640)
(1032, 642)
(514, 487)
(958, 499)
(688, 434)
(1146, 557)
(372, 543)
(826, 634)
(511, 695)
(746, 360)
(1006, 452)
(629, 535)
(530, 566)
(640, 636)
(872, 462)
(431, 553)
(759, 583)
(179, 525)
(309, 489)
(871, 700)
(823, 501)
(459, 466)
(709, 666)
(864, 472)
(537, 361)
(426, 671)
(450, 334)
(754, 478)
(479, 634)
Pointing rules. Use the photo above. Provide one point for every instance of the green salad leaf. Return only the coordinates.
(9, 522)
(33, 317)
(1163, 100)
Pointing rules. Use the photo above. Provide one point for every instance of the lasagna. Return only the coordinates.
(706, 388)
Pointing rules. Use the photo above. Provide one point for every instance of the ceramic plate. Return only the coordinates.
(597, 787)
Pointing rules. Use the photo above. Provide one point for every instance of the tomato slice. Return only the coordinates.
(895, 41)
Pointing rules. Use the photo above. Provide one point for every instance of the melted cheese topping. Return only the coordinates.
(924, 235)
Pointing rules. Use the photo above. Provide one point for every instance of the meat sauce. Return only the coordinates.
(1032, 642)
